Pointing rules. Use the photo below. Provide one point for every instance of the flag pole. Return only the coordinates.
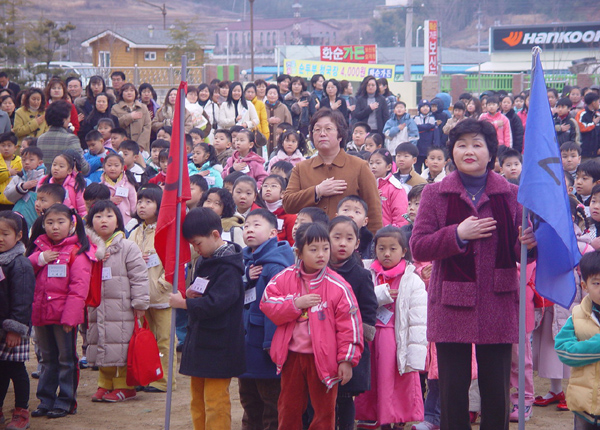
(522, 331)
(181, 154)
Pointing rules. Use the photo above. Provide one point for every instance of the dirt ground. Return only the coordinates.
(147, 410)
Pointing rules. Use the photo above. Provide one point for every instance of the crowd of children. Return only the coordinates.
(324, 321)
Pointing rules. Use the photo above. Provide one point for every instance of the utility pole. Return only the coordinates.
(408, 40)
(251, 40)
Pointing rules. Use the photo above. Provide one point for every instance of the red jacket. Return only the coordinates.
(61, 300)
(394, 202)
(285, 232)
(335, 324)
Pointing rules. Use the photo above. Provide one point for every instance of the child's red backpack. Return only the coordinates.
(143, 357)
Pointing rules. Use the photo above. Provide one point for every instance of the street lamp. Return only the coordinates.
(419, 28)
(162, 8)
(251, 40)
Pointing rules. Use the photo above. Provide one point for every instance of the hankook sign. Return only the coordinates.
(567, 36)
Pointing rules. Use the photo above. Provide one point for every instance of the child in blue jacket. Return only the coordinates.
(264, 257)
(399, 121)
(429, 134)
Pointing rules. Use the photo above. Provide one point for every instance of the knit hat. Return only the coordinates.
(423, 103)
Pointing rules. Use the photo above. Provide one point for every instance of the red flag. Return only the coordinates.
(166, 229)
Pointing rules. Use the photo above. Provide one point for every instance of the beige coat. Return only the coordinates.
(139, 129)
(160, 289)
(160, 120)
(111, 324)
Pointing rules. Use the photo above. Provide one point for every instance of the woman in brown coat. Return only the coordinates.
(331, 175)
(133, 116)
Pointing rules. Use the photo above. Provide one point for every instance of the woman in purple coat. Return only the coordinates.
(468, 225)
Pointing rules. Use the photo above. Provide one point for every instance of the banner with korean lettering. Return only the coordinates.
(350, 71)
(364, 54)
(431, 48)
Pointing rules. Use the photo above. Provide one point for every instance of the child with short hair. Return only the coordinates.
(245, 159)
(588, 175)
(264, 258)
(163, 161)
(153, 164)
(406, 157)
(222, 143)
(499, 121)
(511, 163)
(400, 344)
(94, 193)
(360, 130)
(414, 198)
(566, 127)
(117, 136)
(577, 346)
(16, 294)
(26, 143)
(357, 210)
(283, 169)
(229, 180)
(436, 160)
(164, 133)
(214, 314)
(428, 132)
(570, 154)
(21, 188)
(319, 331)
(291, 147)
(95, 155)
(309, 215)
(272, 194)
(48, 195)
(130, 151)
(10, 165)
(198, 186)
(400, 128)
(588, 120)
(458, 114)
(391, 191)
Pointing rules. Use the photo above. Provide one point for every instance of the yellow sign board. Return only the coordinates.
(350, 71)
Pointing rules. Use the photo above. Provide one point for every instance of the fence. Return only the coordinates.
(161, 78)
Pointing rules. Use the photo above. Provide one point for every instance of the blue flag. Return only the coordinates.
(543, 192)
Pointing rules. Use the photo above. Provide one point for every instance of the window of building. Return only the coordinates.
(150, 56)
(268, 39)
(104, 59)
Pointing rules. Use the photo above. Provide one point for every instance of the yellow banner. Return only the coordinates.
(349, 71)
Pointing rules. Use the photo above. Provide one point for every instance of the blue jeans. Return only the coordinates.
(432, 402)
(59, 368)
(181, 320)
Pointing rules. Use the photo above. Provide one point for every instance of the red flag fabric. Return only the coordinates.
(166, 229)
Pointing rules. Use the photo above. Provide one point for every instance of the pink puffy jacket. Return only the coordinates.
(394, 202)
(335, 324)
(61, 300)
(73, 199)
(255, 163)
